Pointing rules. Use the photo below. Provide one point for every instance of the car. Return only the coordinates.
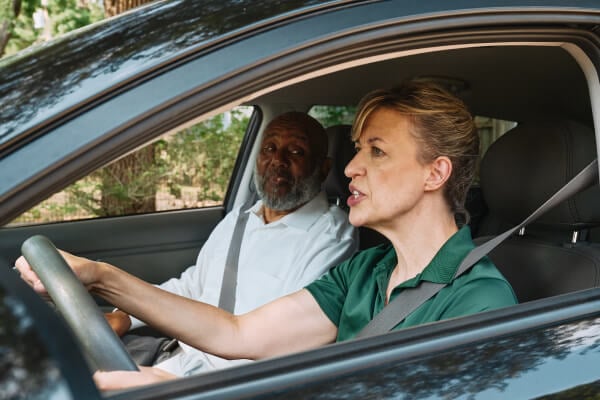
(528, 70)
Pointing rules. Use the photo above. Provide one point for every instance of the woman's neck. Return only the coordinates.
(416, 243)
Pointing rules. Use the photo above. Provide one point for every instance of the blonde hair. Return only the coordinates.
(442, 126)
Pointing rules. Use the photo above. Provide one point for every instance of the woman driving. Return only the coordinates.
(416, 152)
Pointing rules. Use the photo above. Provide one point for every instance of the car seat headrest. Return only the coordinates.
(532, 161)
(341, 151)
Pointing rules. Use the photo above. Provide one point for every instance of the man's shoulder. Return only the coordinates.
(336, 221)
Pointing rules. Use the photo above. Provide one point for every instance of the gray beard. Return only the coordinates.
(303, 190)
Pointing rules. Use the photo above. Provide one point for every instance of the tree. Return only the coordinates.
(114, 7)
(61, 16)
(9, 11)
(122, 190)
(201, 156)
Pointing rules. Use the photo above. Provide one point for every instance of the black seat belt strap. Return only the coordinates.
(229, 283)
(410, 299)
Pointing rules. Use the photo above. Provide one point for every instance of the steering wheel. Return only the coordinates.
(101, 345)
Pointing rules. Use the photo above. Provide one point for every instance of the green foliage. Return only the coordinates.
(333, 115)
(6, 10)
(64, 16)
(204, 155)
(200, 157)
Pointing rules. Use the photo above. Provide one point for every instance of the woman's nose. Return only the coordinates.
(353, 168)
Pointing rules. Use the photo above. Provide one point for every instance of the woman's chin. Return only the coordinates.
(356, 219)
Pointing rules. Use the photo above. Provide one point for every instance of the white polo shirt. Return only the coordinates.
(275, 259)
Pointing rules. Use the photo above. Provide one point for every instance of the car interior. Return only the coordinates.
(546, 110)
(551, 140)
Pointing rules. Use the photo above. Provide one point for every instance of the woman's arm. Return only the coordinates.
(289, 324)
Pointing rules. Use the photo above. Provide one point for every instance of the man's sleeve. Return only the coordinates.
(190, 283)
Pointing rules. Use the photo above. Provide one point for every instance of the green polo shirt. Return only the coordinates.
(352, 293)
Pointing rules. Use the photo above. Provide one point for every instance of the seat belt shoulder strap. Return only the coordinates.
(410, 299)
(229, 283)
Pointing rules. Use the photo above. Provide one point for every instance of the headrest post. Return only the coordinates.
(522, 231)
(574, 237)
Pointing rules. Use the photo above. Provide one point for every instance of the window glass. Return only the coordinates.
(333, 115)
(189, 168)
(490, 129)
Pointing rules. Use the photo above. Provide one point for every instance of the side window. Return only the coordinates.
(188, 168)
(490, 129)
(333, 115)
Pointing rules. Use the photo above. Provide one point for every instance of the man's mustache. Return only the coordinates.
(278, 173)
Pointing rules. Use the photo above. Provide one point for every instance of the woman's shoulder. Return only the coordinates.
(485, 277)
(364, 261)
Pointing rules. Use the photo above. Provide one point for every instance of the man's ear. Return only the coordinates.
(325, 167)
(439, 172)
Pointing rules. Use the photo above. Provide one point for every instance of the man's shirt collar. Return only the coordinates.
(303, 218)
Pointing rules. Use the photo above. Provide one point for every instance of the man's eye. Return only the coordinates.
(268, 149)
(297, 151)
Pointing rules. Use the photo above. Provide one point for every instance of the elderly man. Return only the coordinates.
(292, 236)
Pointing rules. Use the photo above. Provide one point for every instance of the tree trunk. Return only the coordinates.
(125, 187)
(4, 35)
(114, 7)
(8, 14)
(123, 191)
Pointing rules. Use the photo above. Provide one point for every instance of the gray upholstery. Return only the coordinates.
(341, 151)
(519, 172)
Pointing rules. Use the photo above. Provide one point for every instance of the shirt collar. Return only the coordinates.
(444, 264)
(303, 218)
(446, 261)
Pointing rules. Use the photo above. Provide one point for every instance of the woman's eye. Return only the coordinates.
(376, 152)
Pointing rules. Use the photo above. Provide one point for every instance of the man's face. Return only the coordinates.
(286, 172)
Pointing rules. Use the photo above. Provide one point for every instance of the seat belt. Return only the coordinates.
(229, 283)
(409, 299)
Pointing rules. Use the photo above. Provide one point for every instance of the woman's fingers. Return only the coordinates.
(114, 380)
(28, 275)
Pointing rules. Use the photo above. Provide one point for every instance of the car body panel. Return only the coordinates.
(497, 354)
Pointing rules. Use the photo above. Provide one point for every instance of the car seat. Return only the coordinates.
(341, 151)
(519, 172)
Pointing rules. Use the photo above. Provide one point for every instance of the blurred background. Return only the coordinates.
(27, 22)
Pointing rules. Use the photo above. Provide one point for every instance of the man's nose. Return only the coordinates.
(280, 157)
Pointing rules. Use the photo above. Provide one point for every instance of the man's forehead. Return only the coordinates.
(283, 131)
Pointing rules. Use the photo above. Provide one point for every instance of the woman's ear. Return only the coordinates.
(439, 172)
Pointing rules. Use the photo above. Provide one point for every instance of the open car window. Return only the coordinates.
(188, 168)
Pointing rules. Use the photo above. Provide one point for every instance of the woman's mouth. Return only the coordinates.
(355, 198)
